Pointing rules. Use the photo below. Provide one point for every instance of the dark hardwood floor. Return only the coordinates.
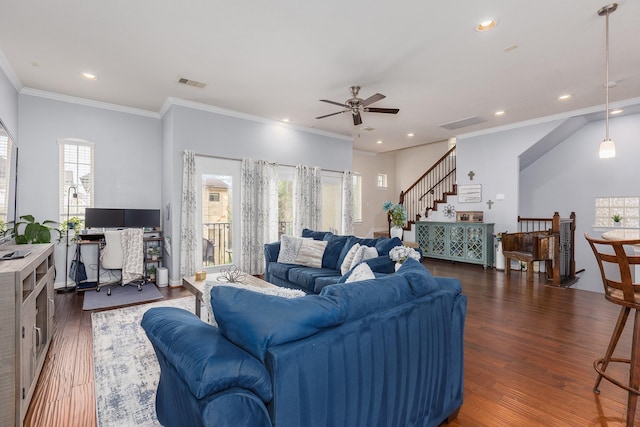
(529, 351)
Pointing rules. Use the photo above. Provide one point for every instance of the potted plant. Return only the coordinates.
(151, 272)
(33, 232)
(154, 252)
(617, 220)
(397, 215)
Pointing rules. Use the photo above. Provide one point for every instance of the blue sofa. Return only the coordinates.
(313, 280)
(380, 352)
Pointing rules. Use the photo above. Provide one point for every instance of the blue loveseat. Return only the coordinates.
(313, 280)
(380, 352)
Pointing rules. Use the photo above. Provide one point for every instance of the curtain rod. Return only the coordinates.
(239, 160)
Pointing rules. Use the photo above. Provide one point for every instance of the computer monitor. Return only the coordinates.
(104, 218)
(135, 218)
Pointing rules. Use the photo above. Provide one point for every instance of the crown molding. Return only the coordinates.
(88, 102)
(589, 113)
(6, 67)
(169, 102)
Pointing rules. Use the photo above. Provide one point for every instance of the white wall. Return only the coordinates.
(571, 176)
(368, 166)
(411, 163)
(127, 157)
(494, 160)
(403, 168)
(211, 133)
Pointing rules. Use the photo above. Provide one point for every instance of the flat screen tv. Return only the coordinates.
(104, 218)
(135, 218)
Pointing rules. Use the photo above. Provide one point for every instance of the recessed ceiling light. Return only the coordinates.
(499, 113)
(486, 25)
(379, 141)
(565, 97)
(286, 120)
(411, 134)
(89, 76)
(616, 111)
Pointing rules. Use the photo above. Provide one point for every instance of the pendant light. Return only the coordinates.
(607, 147)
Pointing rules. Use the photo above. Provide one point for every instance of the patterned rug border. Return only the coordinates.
(125, 367)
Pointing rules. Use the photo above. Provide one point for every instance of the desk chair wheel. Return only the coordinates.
(109, 292)
(139, 287)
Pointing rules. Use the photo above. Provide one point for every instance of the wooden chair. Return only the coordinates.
(616, 259)
(528, 247)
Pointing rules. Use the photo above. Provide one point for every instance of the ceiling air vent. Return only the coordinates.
(368, 128)
(191, 83)
(462, 123)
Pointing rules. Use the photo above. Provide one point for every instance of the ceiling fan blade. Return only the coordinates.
(332, 114)
(357, 120)
(372, 99)
(382, 110)
(334, 103)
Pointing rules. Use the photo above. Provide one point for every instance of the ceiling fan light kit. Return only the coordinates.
(356, 106)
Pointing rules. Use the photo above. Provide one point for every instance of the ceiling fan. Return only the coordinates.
(357, 105)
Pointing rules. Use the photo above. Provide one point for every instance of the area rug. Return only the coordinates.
(126, 371)
(120, 295)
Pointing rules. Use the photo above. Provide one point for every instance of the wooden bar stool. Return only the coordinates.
(620, 289)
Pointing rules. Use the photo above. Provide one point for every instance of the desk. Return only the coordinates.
(80, 243)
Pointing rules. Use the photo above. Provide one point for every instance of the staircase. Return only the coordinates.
(431, 188)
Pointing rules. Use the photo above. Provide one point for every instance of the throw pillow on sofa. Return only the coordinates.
(311, 252)
(270, 290)
(289, 248)
(256, 321)
(364, 253)
(348, 259)
(361, 272)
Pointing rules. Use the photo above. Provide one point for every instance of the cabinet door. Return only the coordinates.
(475, 243)
(422, 237)
(27, 347)
(456, 241)
(438, 240)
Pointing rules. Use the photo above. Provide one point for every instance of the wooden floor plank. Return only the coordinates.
(529, 350)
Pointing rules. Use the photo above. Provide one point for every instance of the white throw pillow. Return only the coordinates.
(363, 254)
(346, 264)
(311, 252)
(361, 272)
(289, 247)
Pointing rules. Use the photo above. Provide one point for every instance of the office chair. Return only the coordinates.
(123, 250)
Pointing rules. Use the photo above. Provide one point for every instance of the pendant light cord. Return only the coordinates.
(607, 78)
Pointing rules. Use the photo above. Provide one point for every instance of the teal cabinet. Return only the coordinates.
(470, 242)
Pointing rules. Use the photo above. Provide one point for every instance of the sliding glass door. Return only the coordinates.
(218, 201)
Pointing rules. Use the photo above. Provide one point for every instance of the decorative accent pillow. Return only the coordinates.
(346, 264)
(311, 252)
(364, 253)
(289, 247)
(361, 272)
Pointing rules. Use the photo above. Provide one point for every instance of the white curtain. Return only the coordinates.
(188, 239)
(347, 202)
(307, 199)
(259, 212)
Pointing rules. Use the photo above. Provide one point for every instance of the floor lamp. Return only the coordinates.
(66, 253)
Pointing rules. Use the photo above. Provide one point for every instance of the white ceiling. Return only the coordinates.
(276, 59)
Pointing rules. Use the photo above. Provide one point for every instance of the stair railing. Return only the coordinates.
(431, 188)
